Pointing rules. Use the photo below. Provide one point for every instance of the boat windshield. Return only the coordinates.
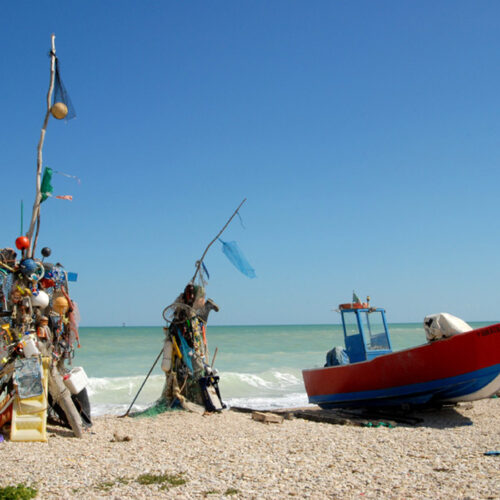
(375, 335)
(350, 324)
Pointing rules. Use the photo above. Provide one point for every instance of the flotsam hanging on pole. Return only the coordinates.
(39, 326)
(190, 377)
(199, 263)
(191, 380)
(60, 108)
(236, 257)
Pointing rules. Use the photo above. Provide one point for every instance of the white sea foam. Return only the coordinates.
(269, 389)
(292, 400)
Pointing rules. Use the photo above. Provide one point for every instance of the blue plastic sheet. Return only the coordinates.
(186, 351)
(235, 255)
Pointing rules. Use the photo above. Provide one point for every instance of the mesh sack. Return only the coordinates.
(61, 94)
(159, 407)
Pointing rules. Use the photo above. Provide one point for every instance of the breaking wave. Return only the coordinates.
(266, 390)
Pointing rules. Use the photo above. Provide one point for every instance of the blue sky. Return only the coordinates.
(365, 136)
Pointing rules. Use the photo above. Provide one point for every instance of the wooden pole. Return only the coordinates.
(199, 262)
(61, 395)
(38, 196)
(213, 359)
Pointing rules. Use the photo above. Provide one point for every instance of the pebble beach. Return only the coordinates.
(230, 455)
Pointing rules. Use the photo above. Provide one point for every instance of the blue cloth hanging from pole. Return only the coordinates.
(187, 352)
(235, 255)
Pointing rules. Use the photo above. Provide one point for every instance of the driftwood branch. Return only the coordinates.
(35, 240)
(38, 197)
(61, 395)
(199, 262)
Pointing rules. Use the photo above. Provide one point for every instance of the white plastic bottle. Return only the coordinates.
(166, 363)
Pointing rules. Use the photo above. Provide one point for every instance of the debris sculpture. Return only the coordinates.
(38, 336)
(191, 381)
(39, 320)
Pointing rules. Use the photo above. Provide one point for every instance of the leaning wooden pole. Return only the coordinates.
(39, 165)
(200, 262)
(61, 395)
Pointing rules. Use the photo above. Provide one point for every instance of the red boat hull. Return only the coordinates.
(455, 369)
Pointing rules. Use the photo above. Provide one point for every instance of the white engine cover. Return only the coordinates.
(442, 325)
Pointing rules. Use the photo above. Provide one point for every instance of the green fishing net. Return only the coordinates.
(159, 407)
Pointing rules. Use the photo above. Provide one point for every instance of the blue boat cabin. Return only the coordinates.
(365, 332)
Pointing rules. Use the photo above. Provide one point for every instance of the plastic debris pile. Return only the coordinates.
(191, 380)
(38, 335)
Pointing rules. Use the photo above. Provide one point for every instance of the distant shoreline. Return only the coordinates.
(416, 323)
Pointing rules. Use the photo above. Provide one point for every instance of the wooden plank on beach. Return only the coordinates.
(325, 417)
(341, 416)
(242, 409)
(267, 418)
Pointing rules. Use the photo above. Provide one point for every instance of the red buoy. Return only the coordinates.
(22, 243)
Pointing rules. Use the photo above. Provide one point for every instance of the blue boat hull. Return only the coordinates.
(437, 391)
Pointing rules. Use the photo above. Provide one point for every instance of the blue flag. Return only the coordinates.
(235, 255)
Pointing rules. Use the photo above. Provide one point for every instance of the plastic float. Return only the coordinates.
(29, 415)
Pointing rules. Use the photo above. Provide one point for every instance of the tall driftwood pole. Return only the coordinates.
(200, 262)
(38, 198)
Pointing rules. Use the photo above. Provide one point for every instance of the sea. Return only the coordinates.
(260, 367)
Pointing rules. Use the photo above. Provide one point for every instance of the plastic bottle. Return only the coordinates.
(29, 346)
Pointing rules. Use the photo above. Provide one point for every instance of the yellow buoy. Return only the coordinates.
(59, 110)
(60, 305)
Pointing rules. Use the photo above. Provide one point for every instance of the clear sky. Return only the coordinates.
(365, 136)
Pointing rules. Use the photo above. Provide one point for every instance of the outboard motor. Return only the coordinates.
(443, 325)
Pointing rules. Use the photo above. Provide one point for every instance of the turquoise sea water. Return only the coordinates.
(259, 366)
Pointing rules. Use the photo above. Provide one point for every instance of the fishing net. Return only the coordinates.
(159, 407)
(5, 350)
(183, 307)
(61, 94)
(177, 313)
(202, 274)
(235, 255)
(58, 274)
(5, 288)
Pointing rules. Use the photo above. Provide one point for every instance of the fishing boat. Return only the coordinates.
(367, 373)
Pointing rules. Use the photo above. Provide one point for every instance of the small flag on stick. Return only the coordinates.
(47, 189)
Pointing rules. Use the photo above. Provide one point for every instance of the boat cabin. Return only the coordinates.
(366, 333)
